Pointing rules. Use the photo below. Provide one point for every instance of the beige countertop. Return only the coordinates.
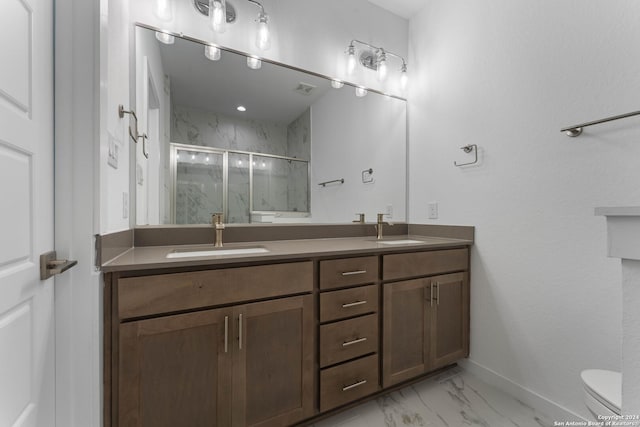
(155, 257)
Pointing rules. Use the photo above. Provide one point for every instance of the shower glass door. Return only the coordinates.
(200, 188)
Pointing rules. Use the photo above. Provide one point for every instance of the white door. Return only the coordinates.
(26, 213)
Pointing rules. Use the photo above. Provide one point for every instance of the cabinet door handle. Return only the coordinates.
(356, 341)
(353, 304)
(354, 385)
(353, 273)
(438, 292)
(226, 334)
(240, 331)
(431, 288)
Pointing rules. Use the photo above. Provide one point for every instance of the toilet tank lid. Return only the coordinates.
(607, 384)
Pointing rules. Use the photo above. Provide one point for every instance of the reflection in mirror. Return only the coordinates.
(255, 144)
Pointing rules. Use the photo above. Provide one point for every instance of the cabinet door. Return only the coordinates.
(174, 371)
(406, 330)
(450, 319)
(274, 363)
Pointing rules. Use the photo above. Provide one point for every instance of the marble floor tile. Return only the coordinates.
(453, 399)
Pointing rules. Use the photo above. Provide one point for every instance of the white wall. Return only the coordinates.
(340, 149)
(507, 75)
(114, 80)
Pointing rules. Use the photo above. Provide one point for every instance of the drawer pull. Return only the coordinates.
(356, 341)
(358, 384)
(226, 334)
(240, 333)
(353, 304)
(353, 273)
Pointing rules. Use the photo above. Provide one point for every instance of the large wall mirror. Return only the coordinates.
(258, 141)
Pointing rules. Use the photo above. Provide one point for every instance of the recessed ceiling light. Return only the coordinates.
(241, 108)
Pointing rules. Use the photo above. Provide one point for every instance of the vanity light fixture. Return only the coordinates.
(360, 91)
(263, 38)
(218, 15)
(374, 58)
(165, 38)
(164, 10)
(382, 65)
(351, 59)
(337, 84)
(221, 13)
(241, 108)
(254, 63)
(403, 76)
(212, 52)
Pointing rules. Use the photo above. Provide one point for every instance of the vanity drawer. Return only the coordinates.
(348, 302)
(337, 273)
(348, 339)
(399, 266)
(165, 293)
(348, 382)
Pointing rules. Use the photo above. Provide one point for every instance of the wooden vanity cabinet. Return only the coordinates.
(277, 344)
(349, 333)
(246, 364)
(426, 320)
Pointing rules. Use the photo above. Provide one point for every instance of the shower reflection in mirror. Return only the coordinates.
(246, 186)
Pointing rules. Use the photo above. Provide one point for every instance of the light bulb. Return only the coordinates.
(360, 92)
(263, 40)
(253, 63)
(218, 15)
(241, 108)
(165, 38)
(212, 52)
(163, 10)
(382, 67)
(351, 59)
(404, 78)
(336, 84)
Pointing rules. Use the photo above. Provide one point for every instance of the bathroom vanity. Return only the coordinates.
(280, 337)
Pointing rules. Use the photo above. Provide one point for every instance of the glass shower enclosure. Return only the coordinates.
(241, 185)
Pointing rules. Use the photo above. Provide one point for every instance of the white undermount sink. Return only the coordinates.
(190, 253)
(400, 242)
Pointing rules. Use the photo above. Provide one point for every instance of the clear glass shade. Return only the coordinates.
(218, 15)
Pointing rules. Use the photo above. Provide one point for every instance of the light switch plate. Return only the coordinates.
(125, 205)
(112, 157)
(433, 210)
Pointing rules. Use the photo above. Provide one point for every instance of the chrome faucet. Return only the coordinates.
(360, 219)
(379, 225)
(217, 220)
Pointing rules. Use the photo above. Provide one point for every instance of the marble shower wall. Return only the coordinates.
(197, 127)
(299, 146)
(279, 185)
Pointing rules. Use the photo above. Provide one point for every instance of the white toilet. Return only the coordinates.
(602, 391)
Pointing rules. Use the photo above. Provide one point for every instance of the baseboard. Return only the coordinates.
(530, 398)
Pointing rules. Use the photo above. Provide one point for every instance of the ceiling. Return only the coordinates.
(220, 86)
(403, 8)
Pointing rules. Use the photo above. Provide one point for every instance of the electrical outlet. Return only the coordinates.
(433, 210)
(125, 205)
